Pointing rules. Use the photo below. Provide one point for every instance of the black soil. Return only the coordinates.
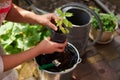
(68, 59)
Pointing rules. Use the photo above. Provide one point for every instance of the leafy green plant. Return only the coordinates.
(17, 37)
(109, 21)
(63, 23)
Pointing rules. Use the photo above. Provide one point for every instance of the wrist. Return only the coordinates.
(31, 18)
(36, 50)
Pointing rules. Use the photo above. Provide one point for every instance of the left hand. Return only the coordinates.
(49, 47)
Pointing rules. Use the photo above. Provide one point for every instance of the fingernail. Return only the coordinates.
(55, 29)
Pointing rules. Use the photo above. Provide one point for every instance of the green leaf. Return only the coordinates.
(70, 24)
(68, 14)
(6, 28)
(20, 43)
(67, 31)
(59, 23)
(63, 30)
(59, 12)
(65, 21)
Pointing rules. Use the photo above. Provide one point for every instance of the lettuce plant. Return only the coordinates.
(18, 37)
(109, 21)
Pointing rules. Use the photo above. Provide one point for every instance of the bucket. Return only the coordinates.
(59, 73)
(81, 20)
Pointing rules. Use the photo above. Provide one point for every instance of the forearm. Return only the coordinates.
(17, 14)
(11, 61)
(46, 46)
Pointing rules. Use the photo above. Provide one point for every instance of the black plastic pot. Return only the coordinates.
(58, 36)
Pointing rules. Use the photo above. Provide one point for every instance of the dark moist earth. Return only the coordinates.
(68, 59)
(50, 5)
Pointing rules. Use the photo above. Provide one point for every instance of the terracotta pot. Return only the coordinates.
(106, 37)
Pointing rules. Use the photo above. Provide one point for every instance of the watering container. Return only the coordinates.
(81, 20)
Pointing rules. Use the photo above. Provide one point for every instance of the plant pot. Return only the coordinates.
(68, 59)
(106, 37)
(58, 36)
(81, 20)
(109, 23)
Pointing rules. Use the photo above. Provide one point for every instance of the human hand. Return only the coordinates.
(48, 47)
(47, 20)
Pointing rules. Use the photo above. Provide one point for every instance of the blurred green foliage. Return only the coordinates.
(17, 37)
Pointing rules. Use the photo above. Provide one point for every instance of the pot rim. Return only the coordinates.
(65, 9)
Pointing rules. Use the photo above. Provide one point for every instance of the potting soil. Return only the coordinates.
(67, 59)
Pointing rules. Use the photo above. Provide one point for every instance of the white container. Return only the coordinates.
(63, 75)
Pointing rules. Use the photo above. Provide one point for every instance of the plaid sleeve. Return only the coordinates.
(1, 65)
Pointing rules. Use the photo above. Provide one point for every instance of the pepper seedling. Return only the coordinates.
(63, 24)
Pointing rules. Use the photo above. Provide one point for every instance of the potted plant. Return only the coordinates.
(109, 23)
(63, 25)
(66, 60)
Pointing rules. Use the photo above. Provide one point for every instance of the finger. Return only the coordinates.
(61, 45)
(48, 38)
(51, 25)
(54, 16)
(60, 50)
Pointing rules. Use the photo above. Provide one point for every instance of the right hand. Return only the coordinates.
(47, 20)
(48, 47)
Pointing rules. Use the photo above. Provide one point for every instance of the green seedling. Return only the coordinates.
(63, 24)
